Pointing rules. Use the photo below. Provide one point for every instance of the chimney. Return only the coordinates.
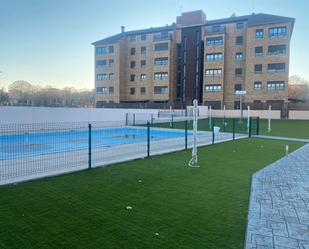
(123, 29)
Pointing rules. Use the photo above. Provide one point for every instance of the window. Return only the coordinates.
(111, 89)
(239, 56)
(238, 71)
(161, 61)
(275, 85)
(143, 37)
(164, 35)
(111, 76)
(214, 41)
(213, 88)
(143, 90)
(132, 64)
(236, 104)
(101, 50)
(258, 68)
(258, 51)
(111, 63)
(217, 28)
(214, 57)
(132, 38)
(213, 72)
(277, 49)
(132, 51)
(237, 87)
(143, 63)
(259, 33)
(132, 77)
(101, 63)
(160, 90)
(239, 40)
(277, 31)
(111, 49)
(276, 67)
(101, 76)
(143, 50)
(132, 91)
(257, 85)
(161, 46)
(101, 89)
(239, 25)
(143, 77)
(161, 76)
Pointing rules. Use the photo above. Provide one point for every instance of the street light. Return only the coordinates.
(240, 94)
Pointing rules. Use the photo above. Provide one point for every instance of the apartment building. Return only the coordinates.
(196, 58)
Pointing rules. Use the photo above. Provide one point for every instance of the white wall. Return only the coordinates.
(254, 113)
(26, 115)
(301, 115)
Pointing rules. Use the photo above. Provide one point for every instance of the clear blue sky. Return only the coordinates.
(47, 42)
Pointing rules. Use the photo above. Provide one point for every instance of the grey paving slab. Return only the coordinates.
(278, 215)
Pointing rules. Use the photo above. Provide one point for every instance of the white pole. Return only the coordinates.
(248, 118)
(240, 102)
(209, 117)
(193, 161)
(269, 118)
(286, 150)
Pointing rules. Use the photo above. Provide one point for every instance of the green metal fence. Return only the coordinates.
(35, 150)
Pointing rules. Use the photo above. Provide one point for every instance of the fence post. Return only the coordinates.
(172, 121)
(234, 128)
(186, 134)
(250, 126)
(148, 139)
(213, 132)
(126, 119)
(133, 119)
(257, 125)
(89, 146)
(151, 119)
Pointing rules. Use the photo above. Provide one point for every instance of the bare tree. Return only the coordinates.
(24, 93)
(4, 97)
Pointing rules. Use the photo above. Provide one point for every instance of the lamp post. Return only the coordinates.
(240, 94)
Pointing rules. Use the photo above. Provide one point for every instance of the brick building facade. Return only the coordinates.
(197, 58)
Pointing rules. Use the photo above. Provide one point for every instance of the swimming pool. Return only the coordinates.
(22, 145)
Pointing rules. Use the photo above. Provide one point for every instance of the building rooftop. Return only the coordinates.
(253, 20)
(117, 37)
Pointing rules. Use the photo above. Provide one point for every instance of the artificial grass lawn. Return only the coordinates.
(280, 127)
(285, 128)
(190, 208)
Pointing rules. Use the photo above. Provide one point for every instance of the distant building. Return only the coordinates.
(196, 58)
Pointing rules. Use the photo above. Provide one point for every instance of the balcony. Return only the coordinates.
(215, 30)
(162, 37)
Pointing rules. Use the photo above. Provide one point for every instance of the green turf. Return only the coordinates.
(282, 127)
(190, 208)
(286, 128)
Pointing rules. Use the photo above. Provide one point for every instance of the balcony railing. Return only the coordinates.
(215, 29)
(162, 37)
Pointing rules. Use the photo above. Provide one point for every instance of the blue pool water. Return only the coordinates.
(32, 144)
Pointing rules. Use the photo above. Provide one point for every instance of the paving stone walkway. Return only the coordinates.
(279, 204)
